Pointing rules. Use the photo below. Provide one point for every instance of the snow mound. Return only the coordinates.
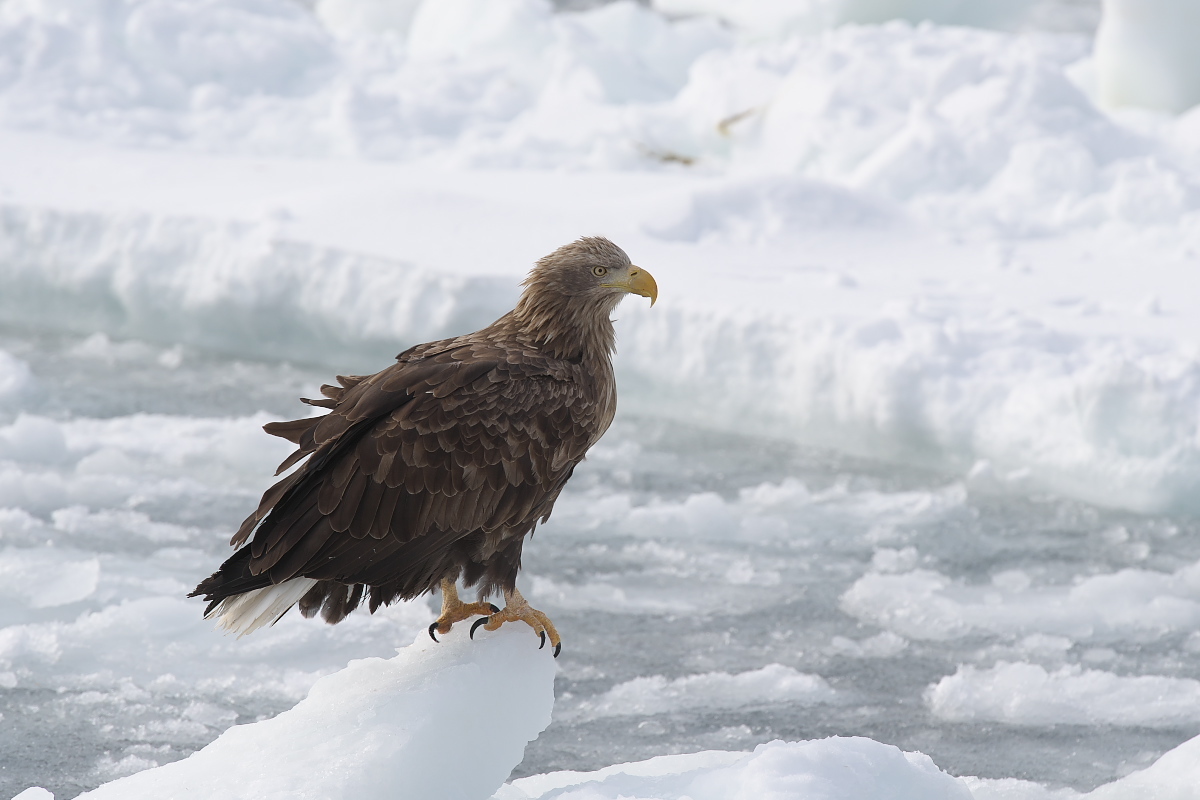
(230, 286)
(381, 727)
(1027, 694)
(1102, 418)
(1146, 54)
(828, 769)
(1088, 417)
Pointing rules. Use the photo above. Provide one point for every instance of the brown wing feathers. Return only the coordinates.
(408, 465)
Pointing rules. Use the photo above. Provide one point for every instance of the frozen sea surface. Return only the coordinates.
(908, 450)
(715, 591)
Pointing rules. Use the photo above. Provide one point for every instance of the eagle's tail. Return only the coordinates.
(243, 602)
(247, 612)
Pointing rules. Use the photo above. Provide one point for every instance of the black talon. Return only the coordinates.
(477, 623)
(492, 606)
(543, 644)
(557, 649)
(432, 628)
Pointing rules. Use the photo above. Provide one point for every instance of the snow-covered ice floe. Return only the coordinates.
(447, 720)
(451, 720)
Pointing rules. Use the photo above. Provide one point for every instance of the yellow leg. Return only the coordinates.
(517, 608)
(455, 610)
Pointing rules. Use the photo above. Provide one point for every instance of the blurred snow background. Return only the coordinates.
(908, 450)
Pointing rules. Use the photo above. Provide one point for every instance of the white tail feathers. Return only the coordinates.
(246, 613)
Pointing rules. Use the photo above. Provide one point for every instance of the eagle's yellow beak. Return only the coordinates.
(639, 281)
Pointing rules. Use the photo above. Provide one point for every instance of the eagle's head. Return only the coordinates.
(591, 269)
(570, 295)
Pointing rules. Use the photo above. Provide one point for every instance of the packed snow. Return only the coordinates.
(908, 450)
(379, 727)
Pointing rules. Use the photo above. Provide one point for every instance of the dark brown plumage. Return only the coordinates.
(438, 466)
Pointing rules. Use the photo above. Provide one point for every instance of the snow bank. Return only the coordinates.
(1027, 694)
(230, 286)
(439, 720)
(1101, 419)
(829, 769)
(1146, 54)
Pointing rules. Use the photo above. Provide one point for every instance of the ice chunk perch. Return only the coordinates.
(446, 720)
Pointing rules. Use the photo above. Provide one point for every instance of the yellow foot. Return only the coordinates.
(516, 608)
(455, 610)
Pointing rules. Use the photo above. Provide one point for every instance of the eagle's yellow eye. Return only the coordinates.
(599, 272)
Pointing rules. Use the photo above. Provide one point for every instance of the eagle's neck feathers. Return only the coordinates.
(573, 328)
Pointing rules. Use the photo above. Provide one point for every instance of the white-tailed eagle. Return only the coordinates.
(435, 468)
